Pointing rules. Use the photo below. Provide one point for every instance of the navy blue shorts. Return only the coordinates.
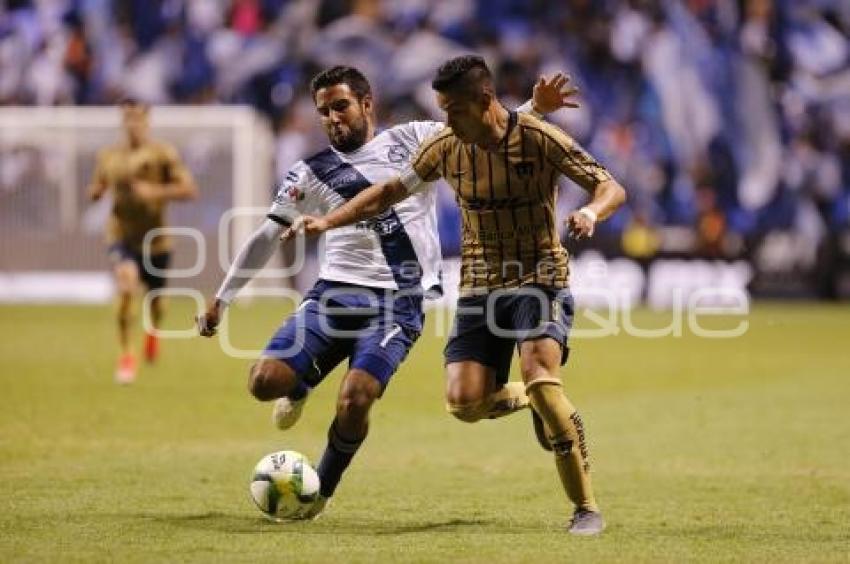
(488, 327)
(119, 252)
(373, 328)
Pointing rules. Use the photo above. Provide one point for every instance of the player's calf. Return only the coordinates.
(349, 428)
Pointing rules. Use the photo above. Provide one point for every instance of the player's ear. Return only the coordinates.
(485, 98)
(368, 103)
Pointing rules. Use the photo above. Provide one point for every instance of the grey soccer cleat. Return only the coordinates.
(540, 431)
(287, 412)
(586, 523)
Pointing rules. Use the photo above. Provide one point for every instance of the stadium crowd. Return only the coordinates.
(727, 120)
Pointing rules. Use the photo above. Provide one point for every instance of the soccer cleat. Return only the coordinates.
(287, 412)
(316, 509)
(540, 431)
(586, 523)
(125, 372)
(510, 399)
(151, 347)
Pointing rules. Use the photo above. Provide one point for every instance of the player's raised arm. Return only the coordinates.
(550, 95)
(368, 203)
(422, 170)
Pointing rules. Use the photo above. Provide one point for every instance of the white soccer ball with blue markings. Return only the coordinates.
(284, 485)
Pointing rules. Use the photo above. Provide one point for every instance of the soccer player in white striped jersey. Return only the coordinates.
(367, 303)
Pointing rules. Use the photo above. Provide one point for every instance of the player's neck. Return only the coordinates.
(136, 142)
(497, 118)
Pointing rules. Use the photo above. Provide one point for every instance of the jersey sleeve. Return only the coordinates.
(426, 165)
(296, 195)
(570, 159)
(424, 130)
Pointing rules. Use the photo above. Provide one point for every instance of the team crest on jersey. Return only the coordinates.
(397, 153)
(524, 169)
(289, 193)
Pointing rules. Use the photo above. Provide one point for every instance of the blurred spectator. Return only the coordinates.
(727, 118)
(711, 225)
(641, 240)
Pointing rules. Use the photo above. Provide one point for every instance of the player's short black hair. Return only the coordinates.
(467, 73)
(341, 75)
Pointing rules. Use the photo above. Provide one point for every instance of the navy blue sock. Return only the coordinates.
(336, 458)
(299, 391)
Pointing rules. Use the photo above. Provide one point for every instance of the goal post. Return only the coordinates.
(50, 232)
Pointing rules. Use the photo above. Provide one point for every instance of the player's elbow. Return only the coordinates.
(616, 194)
(619, 194)
(190, 190)
(387, 197)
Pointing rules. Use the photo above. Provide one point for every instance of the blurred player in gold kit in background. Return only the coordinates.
(143, 175)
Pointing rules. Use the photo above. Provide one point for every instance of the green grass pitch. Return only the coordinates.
(709, 450)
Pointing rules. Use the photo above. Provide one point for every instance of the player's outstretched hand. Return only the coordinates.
(551, 94)
(208, 322)
(580, 225)
(306, 224)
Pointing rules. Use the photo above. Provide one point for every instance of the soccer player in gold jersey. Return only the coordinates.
(504, 168)
(143, 176)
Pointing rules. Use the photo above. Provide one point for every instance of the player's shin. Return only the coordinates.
(125, 321)
(338, 454)
(567, 440)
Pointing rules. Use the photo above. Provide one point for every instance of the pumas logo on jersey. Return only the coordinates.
(524, 169)
(397, 153)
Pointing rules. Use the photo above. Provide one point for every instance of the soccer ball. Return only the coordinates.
(284, 485)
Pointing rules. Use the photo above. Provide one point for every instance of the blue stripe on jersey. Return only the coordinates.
(337, 174)
(347, 181)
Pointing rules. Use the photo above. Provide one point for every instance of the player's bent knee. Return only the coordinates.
(354, 405)
(356, 401)
(357, 395)
(269, 380)
(467, 412)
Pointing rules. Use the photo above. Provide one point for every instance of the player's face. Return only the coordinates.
(344, 117)
(465, 115)
(135, 119)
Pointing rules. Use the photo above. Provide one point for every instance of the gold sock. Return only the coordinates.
(566, 434)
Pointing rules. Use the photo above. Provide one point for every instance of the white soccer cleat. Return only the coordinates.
(287, 412)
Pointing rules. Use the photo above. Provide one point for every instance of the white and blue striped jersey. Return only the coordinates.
(398, 249)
